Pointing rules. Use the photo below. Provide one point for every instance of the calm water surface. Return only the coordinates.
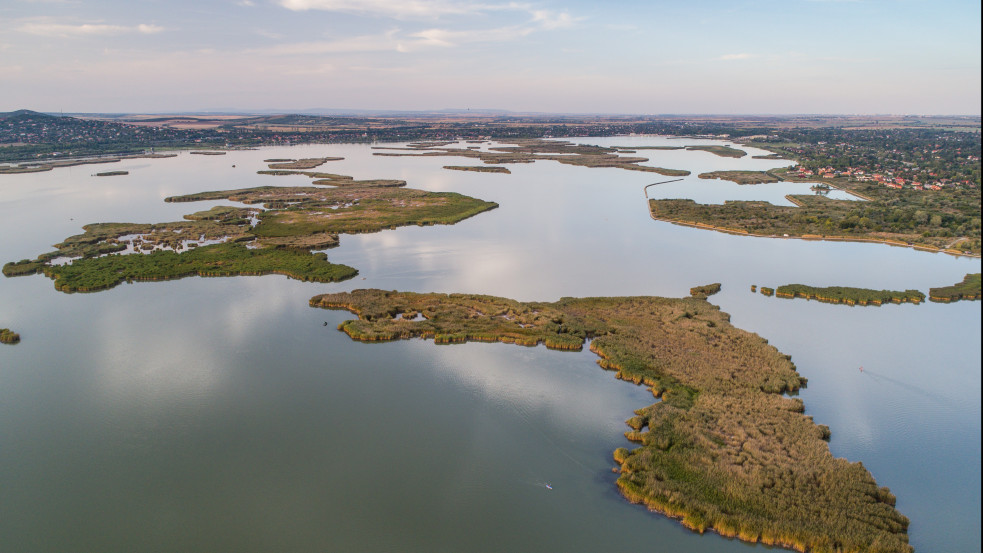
(224, 415)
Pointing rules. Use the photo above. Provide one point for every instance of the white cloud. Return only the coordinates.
(366, 43)
(388, 8)
(431, 9)
(86, 29)
(730, 57)
(395, 41)
(550, 20)
(268, 34)
(445, 37)
(149, 29)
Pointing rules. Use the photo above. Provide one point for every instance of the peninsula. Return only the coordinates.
(889, 217)
(723, 450)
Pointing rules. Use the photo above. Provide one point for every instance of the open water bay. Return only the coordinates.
(224, 414)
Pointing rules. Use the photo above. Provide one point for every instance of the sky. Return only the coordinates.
(615, 57)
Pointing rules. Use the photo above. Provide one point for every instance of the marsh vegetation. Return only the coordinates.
(532, 150)
(968, 289)
(300, 164)
(848, 295)
(719, 150)
(722, 450)
(8, 336)
(818, 217)
(478, 168)
(280, 235)
(742, 177)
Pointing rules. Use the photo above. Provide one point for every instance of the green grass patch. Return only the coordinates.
(722, 151)
(296, 221)
(8, 336)
(848, 295)
(229, 259)
(723, 450)
(704, 291)
(968, 289)
(742, 177)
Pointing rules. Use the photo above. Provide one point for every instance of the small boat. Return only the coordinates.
(548, 487)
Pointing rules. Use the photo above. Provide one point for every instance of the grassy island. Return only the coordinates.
(742, 177)
(332, 179)
(704, 291)
(723, 450)
(532, 150)
(849, 296)
(478, 168)
(308, 163)
(722, 151)
(8, 336)
(230, 241)
(968, 289)
(112, 173)
(39, 167)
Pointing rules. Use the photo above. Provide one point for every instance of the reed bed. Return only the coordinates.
(8, 336)
(742, 177)
(879, 220)
(849, 296)
(301, 164)
(228, 259)
(296, 220)
(332, 179)
(722, 151)
(36, 167)
(968, 289)
(532, 150)
(479, 168)
(704, 291)
(722, 451)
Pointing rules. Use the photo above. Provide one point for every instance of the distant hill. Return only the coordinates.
(27, 114)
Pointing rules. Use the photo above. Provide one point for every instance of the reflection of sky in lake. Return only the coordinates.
(205, 384)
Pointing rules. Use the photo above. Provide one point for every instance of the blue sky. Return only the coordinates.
(756, 56)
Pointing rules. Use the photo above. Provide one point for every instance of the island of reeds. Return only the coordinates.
(479, 168)
(715, 149)
(742, 177)
(306, 163)
(968, 289)
(723, 450)
(112, 173)
(847, 295)
(532, 150)
(719, 150)
(704, 291)
(39, 167)
(8, 336)
(276, 236)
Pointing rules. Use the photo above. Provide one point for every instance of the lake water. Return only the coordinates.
(222, 414)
